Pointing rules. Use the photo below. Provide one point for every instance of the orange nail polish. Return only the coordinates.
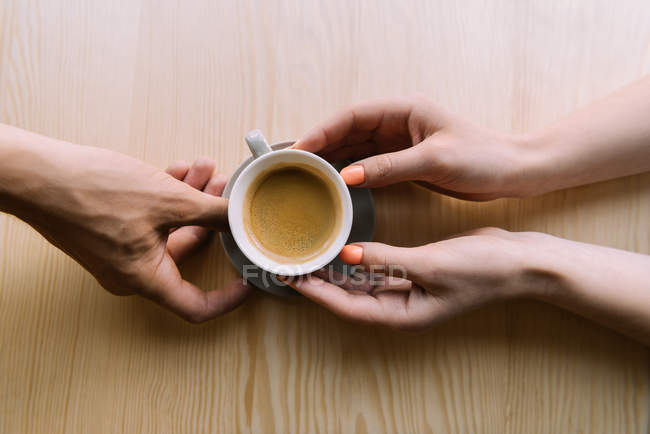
(286, 281)
(351, 254)
(353, 175)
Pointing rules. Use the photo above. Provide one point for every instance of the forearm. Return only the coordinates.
(37, 173)
(22, 155)
(609, 139)
(608, 285)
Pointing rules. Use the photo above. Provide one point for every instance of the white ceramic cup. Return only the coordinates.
(264, 158)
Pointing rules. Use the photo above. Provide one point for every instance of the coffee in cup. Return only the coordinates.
(289, 210)
(292, 212)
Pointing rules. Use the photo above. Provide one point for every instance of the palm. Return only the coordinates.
(395, 302)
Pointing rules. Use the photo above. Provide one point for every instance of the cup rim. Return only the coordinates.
(253, 253)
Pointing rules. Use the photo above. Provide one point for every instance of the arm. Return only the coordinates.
(113, 214)
(413, 139)
(607, 285)
(434, 282)
(609, 139)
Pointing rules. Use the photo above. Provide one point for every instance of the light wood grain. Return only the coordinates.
(163, 80)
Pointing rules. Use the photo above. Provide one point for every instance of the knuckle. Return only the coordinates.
(533, 235)
(199, 313)
(186, 207)
(429, 159)
(383, 166)
(490, 230)
(438, 156)
(204, 163)
(381, 260)
(377, 260)
(176, 166)
(194, 317)
(418, 98)
(428, 152)
(220, 178)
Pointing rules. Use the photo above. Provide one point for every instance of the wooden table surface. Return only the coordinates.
(167, 80)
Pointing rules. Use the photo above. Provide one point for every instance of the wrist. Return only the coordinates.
(540, 276)
(533, 174)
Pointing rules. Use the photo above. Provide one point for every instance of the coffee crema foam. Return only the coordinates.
(292, 212)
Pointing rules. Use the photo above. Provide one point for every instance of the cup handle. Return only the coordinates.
(257, 143)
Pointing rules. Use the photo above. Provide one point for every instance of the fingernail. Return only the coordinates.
(353, 175)
(286, 281)
(351, 254)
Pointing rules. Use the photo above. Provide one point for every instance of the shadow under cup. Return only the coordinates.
(295, 247)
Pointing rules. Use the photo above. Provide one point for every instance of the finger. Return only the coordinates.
(196, 208)
(411, 310)
(363, 308)
(357, 283)
(405, 309)
(391, 283)
(389, 168)
(182, 242)
(352, 143)
(195, 176)
(474, 197)
(188, 301)
(365, 149)
(178, 169)
(364, 283)
(407, 263)
(358, 152)
(367, 116)
(216, 185)
(200, 173)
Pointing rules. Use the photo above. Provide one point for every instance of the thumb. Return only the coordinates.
(403, 261)
(199, 209)
(384, 169)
